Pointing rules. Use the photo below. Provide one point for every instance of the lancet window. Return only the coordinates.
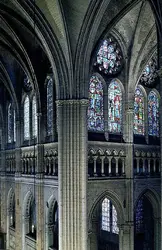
(109, 217)
(139, 121)
(95, 109)
(114, 107)
(153, 114)
(26, 119)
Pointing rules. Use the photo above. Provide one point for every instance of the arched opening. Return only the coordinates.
(104, 226)
(144, 225)
(53, 227)
(32, 220)
(109, 230)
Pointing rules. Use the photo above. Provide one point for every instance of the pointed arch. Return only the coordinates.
(10, 198)
(26, 204)
(114, 198)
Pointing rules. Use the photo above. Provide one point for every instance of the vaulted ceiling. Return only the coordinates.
(35, 35)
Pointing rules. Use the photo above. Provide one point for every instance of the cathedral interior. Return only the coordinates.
(80, 124)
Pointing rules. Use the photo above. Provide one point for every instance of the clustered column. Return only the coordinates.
(72, 175)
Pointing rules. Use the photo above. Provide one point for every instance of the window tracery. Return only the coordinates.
(49, 106)
(153, 114)
(114, 107)
(109, 217)
(149, 74)
(26, 119)
(139, 112)
(27, 84)
(109, 57)
(95, 109)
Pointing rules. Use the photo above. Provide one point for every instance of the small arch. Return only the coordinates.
(10, 199)
(26, 204)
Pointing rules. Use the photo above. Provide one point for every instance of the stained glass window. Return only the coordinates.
(139, 112)
(153, 114)
(26, 119)
(106, 215)
(114, 107)
(34, 117)
(14, 124)
(149, 74)
(115, 228)
(109, 217)
(10, 123)
(95, 109)
(109, 57)
(139, 216)
(49, 106)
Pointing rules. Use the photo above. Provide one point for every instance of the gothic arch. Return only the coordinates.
(10, 199)
(26, 204)
(50, 204)
(116, 202)
(154, 199)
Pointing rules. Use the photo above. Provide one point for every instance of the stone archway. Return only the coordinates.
(26, 213)
(147, 221)
(99, 238)
(10, 216)
(52, 224)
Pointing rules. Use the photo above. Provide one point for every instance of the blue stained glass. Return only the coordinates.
(95, 109)
(139, 112)
(139, 216)
(114, 107)
(49, 106)
(109, 57)
(153, 114)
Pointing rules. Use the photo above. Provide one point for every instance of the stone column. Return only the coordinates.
(40, 190)
(18, 201)
(102, 166)
(72, 174)
(128, 229)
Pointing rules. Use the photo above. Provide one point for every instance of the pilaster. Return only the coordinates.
(72, 174)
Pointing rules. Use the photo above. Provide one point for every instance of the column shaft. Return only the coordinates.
(72, 174)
